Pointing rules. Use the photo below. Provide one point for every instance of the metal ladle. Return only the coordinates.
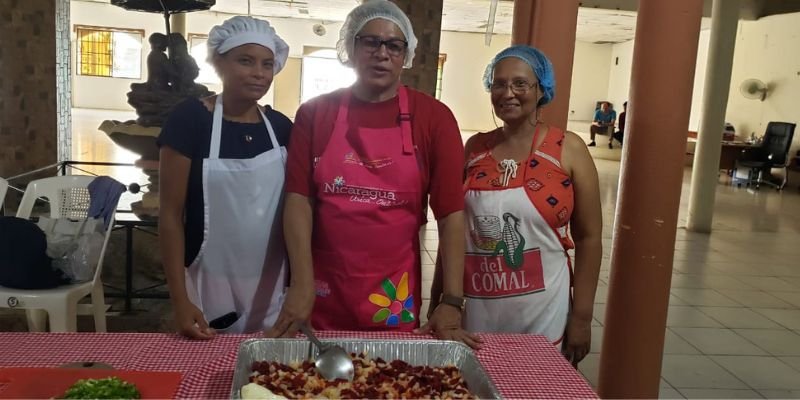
(332, 362)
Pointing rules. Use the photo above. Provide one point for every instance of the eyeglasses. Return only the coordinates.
(395, 47)
(518, 86)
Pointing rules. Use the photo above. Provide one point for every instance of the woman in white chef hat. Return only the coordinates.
(222, 174)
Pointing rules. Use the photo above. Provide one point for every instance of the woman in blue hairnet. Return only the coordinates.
(526, 185)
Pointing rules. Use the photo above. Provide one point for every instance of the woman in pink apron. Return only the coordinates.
(526, 185)
(362, 163)
(222, 174)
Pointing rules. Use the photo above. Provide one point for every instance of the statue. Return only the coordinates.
(184, 67)
(170, 80)
(159, 68)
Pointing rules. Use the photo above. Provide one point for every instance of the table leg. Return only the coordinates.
(128, 266)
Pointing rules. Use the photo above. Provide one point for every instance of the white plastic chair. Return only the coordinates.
(68, 197)
(3, 189)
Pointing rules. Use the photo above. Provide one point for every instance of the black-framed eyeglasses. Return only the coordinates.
(518, 86)
(395, 47)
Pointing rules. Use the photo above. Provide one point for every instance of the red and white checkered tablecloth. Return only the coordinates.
(521, 366)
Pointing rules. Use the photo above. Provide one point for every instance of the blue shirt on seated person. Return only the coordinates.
(606, 117)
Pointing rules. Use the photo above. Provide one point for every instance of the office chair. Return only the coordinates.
(773, 153)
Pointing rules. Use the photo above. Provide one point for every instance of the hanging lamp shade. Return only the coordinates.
(161, 6)
(165, 7)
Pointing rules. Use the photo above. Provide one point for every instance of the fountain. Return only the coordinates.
(171, 72)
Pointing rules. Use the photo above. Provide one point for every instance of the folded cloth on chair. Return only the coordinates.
(104, 193)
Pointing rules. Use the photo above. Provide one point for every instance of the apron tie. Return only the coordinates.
(509, 168)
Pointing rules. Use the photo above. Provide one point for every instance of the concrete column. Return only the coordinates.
(28, 95)
(705, 172)
(64, 80)
(664, 57)
(550, 26)
(426, 18)
(178, 22)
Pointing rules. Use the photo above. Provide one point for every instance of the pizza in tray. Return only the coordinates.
(374, 379)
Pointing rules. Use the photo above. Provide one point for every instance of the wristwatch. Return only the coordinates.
(455, 301)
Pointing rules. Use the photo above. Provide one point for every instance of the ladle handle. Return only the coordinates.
(307, 331)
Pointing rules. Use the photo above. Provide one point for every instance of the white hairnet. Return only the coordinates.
(367, 11)
(241, 30)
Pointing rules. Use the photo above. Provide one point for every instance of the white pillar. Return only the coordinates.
(178, 22)
(705, 172)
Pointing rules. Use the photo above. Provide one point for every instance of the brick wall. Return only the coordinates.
(28, 116)
(426, 17)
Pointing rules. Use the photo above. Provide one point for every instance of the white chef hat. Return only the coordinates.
(241, 30)
(367, 11)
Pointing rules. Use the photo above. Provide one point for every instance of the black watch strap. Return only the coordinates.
(455, 301)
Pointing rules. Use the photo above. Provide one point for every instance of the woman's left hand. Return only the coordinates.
(578, 339)
(445, 323)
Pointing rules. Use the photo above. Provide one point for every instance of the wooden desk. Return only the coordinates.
(732, 151)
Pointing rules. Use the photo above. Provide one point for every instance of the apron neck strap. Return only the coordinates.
(216, 129)
(405, 121)
(536, 133)
(272, 138)
(405, 116)
(344, 105)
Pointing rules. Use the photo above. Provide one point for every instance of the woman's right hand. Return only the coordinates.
(191, 322)
(296, 311)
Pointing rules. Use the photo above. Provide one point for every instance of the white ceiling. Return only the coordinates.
(594, 24)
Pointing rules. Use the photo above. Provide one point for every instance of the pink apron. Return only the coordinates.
(366, 228)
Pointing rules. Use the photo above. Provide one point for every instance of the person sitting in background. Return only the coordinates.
(603, 123)
(620, 134)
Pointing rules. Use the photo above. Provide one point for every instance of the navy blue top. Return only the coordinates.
(188, 131)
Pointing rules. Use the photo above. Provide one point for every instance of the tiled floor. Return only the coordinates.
(733, 329)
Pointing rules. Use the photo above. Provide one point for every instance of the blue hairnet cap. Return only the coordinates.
(538, 62)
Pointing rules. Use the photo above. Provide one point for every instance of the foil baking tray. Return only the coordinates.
(434, 353)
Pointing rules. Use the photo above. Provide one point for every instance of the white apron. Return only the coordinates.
(241, 265)
(516, 272)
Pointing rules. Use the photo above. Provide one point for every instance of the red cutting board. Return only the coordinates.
(46, 383)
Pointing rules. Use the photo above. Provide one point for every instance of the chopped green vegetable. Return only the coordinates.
(106, 388)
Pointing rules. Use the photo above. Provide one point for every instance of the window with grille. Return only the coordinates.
(439, 73)
(109, 52)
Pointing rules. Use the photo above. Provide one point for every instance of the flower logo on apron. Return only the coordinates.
(338, 181)
(396, 306)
